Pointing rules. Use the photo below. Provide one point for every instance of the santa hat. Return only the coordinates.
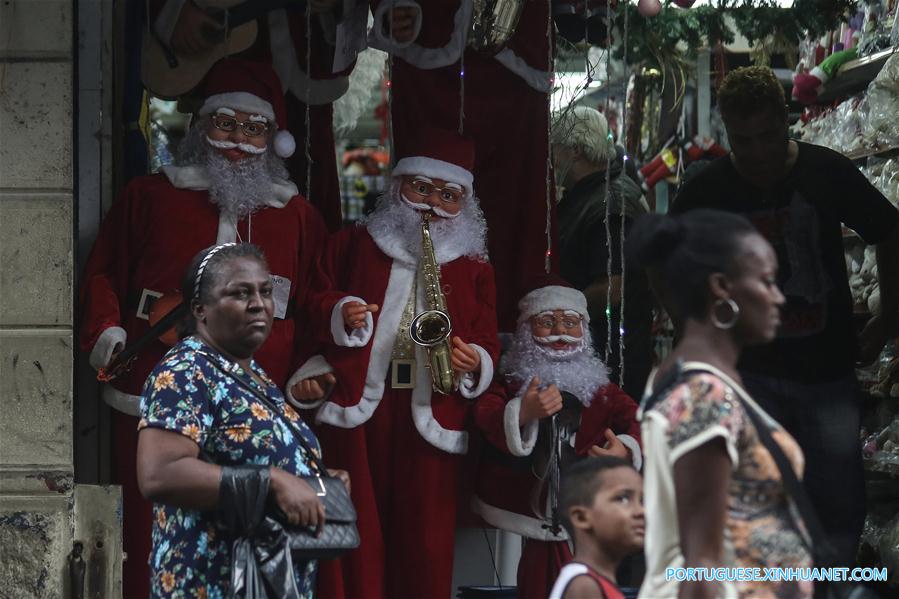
(548, 293)
(250, 87)
(439, 154)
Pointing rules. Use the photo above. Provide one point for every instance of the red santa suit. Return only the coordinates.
(506, 107)
(148, 238)
(506, 481)
(403, 448)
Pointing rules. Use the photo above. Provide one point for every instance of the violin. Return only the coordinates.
(165, 312)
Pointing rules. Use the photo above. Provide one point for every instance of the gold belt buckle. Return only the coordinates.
(402, 374)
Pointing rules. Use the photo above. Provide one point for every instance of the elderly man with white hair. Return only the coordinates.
(598, 206)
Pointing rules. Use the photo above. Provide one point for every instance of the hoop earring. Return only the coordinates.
(735, 314)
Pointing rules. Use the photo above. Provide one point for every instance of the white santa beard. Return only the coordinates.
(396, 221)
(580, 372)
(237, 188)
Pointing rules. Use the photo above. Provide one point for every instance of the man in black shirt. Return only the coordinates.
(798, 196)
(590, 243)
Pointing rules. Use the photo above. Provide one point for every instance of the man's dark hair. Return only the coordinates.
(679, 253)
(750, 90)
(581, 481)
(211, 275)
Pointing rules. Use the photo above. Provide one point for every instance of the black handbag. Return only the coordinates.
(822, 551)
(339, 533)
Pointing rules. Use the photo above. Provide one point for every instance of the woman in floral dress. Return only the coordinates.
(715, 497)
(201, 398)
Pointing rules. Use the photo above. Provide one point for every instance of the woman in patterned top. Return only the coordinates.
(202, 398)
(714, 495)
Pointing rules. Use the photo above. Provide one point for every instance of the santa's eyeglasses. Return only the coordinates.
(550, 322)
(229, 124)
(424, 188)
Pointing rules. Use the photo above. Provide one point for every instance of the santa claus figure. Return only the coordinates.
(401, 441)
(313, 55)
(494, 86)
(230, 185)
(556, 406)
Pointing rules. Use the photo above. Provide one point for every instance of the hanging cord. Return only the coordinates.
(306, 143)
(462, 90)
(499, 580)
(390, 146)
(555, 475)
(390, 110)
(681, 132)
(607, 191)
(623, 212)
(550, 182)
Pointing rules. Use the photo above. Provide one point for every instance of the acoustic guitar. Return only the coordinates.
(167, 74)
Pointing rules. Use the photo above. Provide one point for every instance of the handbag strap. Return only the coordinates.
(821, 547)
(297, 433)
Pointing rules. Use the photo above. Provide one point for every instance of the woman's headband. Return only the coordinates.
(203, 264)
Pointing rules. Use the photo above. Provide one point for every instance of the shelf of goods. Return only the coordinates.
(854, 76)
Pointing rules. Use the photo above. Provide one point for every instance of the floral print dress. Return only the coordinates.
(762, 528)
(194, 391)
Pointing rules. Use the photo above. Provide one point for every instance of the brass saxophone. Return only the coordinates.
(431, 329)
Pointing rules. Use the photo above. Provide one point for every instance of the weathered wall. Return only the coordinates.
(36, 266)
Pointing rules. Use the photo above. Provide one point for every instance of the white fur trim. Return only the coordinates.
(448, 440)
(398, 286)
(167, 19)
(121, 401)
(381, 17)
(314, 366)
(435, 169)
(294, 79)
(284, 143)
(537, 79)
(356, 337)
(526, 526)
(227, 230)
(467, 387)
(520, 440)
(196, 178)
(552, 297)
(106, 343)
(428, 58)
(634, 447)
(820, 74)
(242, 101)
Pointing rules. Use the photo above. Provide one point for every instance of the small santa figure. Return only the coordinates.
(402, 442)
(230, 184)
(553, 404)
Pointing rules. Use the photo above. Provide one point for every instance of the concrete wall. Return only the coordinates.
(36, 296)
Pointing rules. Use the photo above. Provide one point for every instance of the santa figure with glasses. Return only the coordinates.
(380, 417)
(230, 184)
(552, 404)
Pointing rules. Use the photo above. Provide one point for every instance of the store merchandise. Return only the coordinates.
(862, 122)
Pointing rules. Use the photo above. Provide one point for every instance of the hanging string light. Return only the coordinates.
(607, 190)
(389, 85)
(462, 91)
(550, 183)
(623, 130)
(306, 142)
